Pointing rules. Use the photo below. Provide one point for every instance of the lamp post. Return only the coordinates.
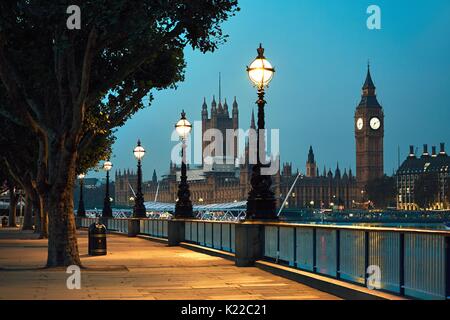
(139, 210)
(183, 207)
(81, 211)
(107, 211)
(261, 204)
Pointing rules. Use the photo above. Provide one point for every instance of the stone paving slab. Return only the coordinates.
(137, 269)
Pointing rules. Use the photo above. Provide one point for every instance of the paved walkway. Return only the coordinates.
(137, 269)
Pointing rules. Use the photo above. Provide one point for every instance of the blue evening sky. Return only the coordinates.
(320, 49)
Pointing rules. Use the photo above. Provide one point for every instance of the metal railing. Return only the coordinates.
(211, 234)
(149, 227)
(414, 263)
(154, 228)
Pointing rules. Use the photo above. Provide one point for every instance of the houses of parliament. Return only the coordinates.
(226, 183)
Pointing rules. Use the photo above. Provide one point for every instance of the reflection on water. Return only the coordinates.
(429, 226)
(432, 220)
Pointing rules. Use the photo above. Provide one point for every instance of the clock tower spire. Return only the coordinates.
(369, 134)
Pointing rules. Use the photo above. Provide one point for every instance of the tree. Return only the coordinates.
(426, 189)
(67, 86)
(382, 192)
(447, 192)
(18, 159)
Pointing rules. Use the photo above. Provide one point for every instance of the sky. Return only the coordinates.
(320, 49)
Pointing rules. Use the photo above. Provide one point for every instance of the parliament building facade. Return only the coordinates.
(226, 183)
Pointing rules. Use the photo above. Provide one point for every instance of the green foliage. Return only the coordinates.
(382, 192)
(426, 189)
(124, 50)
(96, 78)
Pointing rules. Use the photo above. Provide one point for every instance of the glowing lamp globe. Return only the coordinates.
(183, 127)
(107, 166)
(261, 71)
(81, 176)
(139, 151)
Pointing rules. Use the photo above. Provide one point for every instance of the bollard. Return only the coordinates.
(175, 232)
(134, 227)
(249, 244)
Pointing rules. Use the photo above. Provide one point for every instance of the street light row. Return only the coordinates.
(184, 205)
(261, 204)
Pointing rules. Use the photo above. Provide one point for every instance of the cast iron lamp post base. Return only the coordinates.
(261, 203)
(139, 210)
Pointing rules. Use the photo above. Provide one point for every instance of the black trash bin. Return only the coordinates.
(4, 222)
(97, 239)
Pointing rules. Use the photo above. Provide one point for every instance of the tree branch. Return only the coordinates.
(17, 92)
(11, 117)
(79, 109)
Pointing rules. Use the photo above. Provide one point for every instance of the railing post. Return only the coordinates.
(249, 243)
(447, 268)
(204, 234)
(221, 238)
(212, 235)
(314, 244)
(295, 247)
(402, 263)
(77, 222)
(176, 232)
(134, 227)
(338, 254)
(366, 256)
(278, 244)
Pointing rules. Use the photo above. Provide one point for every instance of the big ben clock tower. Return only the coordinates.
(369, 133)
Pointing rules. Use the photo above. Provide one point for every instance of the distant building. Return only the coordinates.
(214, 183)
(224, 183)
(222, 121)
(415, 167)
(317, 190)
(369, 134)
(125, 187)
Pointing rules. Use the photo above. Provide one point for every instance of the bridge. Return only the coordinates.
(233, 211)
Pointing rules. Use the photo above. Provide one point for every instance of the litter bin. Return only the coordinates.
(4, 222)
(97, 239)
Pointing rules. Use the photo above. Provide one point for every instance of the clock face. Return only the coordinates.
(360, 123)
(375, 123)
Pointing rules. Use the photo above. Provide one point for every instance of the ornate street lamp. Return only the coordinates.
(107, 211)
(139, 210)
(261, 204)
(183, 207)
(81, 211)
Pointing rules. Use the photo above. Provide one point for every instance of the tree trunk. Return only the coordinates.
(41, 225)
(12, 207)
(28, 215)
(37, 216)
(62, 241)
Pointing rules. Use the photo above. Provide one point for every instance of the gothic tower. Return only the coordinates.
(369, 134)
(221, 120)
(311, 166)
